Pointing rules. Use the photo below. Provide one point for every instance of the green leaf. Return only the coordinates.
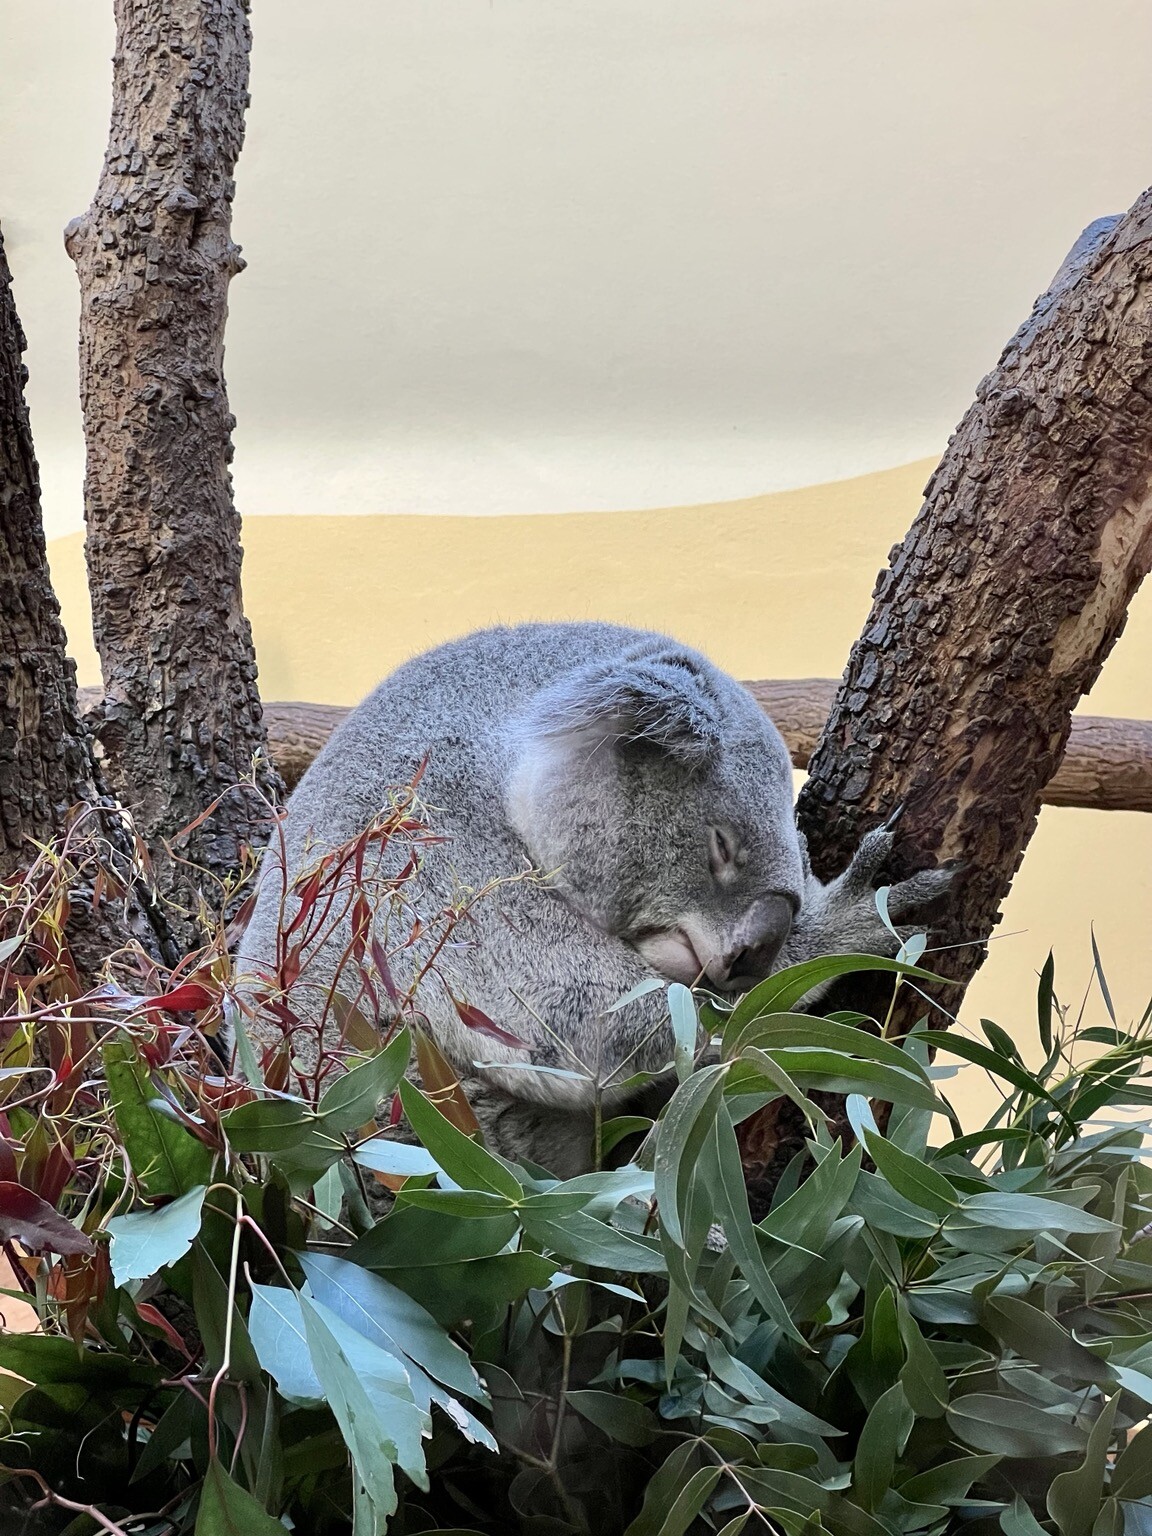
(619, 1417)
(355, 1096)
(672, 1474)
(685, 1029)
(784, 989)
(166, 1159)
(1044, 1004)
(464, 1161)
(612, 1132)
(43, 1359)
(391, 1319)
(268, 1125)
(910, 1177)
(1000, 1066)
(226, 1509)
(1028, 1213)
(397, 1157)
(145, 1242)
(836, 1072)
(882, 1441)
(276, 1327)
(464, 1204)
(730, 1207)
(1010, 1426)
(1075, 1498)
(374, 1443)
(479, 1291)
(1018, 1520)
(790, 1031)
(585, 1240)
(922, 1377)
(1001, 1041)
(1038, 1337)
(1132, 1477)
(949, 1482)
(685, 1506)
(412, 1238)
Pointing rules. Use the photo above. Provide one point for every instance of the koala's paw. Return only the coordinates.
(852, 898)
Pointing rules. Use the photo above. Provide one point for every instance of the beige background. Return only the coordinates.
(708, 281)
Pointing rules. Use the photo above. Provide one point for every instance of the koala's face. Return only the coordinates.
(659, 799)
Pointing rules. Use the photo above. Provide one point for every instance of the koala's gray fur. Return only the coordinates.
(655, 797)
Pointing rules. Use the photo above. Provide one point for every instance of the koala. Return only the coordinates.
(654, 799)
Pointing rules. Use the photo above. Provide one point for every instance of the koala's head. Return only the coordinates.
(658, 797)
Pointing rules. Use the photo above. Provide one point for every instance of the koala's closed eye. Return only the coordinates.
(726, 854)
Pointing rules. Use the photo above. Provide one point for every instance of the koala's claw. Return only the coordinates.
(869, 858)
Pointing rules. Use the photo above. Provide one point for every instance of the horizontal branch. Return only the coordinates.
(1107, 766)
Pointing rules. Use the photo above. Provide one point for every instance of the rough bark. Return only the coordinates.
(45, 761)
(1107, 765)
(997, 611)
(181, 721)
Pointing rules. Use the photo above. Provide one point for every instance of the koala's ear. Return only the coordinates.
(660, 698)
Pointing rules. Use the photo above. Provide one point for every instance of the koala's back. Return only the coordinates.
(450, 710)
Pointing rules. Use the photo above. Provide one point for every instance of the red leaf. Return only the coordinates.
(189, 998)
(384, 970)
(475, 1019)
(34, 1223)
(156, 1319)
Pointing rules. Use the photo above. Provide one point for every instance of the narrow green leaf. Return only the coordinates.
(882, 1441)
(1044, 1001)
(464, 1161)
(354, 1097)
(1012, 1427)
(268, 1125)
(910, 1177)
(925, 1385)
(685, 1029)
(784, 989)
(1040, 1338)
(1075, 1498)
(1028, 1213)
(949, 1482)
(672, 1474)
(1132, 1478)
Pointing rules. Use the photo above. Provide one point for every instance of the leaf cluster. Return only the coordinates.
(930, 1331)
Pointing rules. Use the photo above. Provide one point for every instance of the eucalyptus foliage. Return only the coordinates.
(930, 1331)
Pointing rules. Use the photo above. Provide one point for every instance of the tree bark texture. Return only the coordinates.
(1107, 765)
(45, 762)
(996, 612)
(181, 720)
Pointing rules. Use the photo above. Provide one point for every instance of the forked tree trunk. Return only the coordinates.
(45, 760)
(154, 255)
(996, 613)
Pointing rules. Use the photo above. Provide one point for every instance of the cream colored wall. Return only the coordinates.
(665, 270)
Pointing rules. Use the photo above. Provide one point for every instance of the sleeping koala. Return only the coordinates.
(654, 796)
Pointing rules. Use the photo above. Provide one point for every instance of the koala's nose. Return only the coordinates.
(756, 945)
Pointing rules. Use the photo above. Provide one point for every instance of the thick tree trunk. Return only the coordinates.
(45, 761)
(154, 255)
(997, 611)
